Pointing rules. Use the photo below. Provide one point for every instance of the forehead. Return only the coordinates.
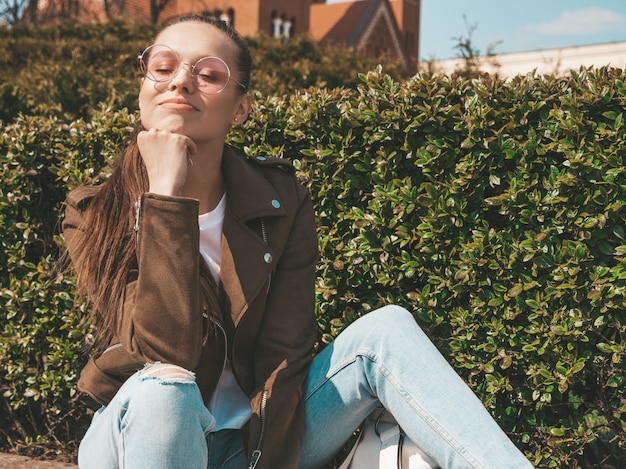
(194, 39)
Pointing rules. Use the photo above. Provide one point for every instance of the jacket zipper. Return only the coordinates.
(266, 240)
(137, 211)
(221, 328)
(256, 454)
(264, 231)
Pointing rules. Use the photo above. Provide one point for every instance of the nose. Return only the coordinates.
(183, 79)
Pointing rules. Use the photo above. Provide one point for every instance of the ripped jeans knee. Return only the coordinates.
(158, 418)
(170, 391)
(167, 373)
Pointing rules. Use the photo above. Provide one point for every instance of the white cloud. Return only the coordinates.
(580, 22)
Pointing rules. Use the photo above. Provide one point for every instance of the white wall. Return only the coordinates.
(549, 61)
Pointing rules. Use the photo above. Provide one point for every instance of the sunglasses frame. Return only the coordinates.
(144, 69)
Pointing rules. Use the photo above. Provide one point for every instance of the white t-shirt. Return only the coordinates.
(229, 405)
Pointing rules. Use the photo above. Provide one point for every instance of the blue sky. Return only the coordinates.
(514, 26)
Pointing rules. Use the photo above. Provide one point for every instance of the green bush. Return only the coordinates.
(66, 70)
(42, 336)
(493, 210)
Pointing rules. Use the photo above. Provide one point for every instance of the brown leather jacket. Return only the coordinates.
(267, 323)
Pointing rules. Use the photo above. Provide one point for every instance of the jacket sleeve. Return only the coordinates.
(285, 347)
(163, 301)
(162, 318)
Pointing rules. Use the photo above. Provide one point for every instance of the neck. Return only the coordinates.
(205, 181)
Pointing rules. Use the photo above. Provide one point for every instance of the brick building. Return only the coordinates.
(375, 27)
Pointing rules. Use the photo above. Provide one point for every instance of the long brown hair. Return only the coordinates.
(104, 254)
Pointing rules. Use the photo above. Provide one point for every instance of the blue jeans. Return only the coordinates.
(157, 419)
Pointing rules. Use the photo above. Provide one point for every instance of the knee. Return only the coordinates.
(163, 385)
(393, 328)
(164, 400)
(386, 324)
(391, 317)
(167, 373)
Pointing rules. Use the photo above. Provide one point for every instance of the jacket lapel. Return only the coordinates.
(244, 269)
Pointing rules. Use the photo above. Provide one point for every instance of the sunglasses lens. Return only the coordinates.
(159, 63)
(211, 75)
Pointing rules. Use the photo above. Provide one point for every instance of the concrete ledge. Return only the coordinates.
(12, 461)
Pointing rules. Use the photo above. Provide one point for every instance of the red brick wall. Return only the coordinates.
(407, 13)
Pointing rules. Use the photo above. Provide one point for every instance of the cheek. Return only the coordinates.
(142, 103)
(147, 97)
(144, 115)
(141, 92)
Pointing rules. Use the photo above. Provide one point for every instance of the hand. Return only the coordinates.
(167, 156)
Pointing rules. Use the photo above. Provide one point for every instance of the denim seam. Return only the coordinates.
(372, 357)
(419, 410)
(331, 373)
(120, 446)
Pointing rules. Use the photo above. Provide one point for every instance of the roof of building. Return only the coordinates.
(353, 23)
(341, 22)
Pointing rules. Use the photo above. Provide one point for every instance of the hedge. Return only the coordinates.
(69, 69)
(493, 209)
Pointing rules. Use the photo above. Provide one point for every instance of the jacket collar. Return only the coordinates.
(249, 194)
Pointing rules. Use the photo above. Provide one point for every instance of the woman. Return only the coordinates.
(199, 265)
